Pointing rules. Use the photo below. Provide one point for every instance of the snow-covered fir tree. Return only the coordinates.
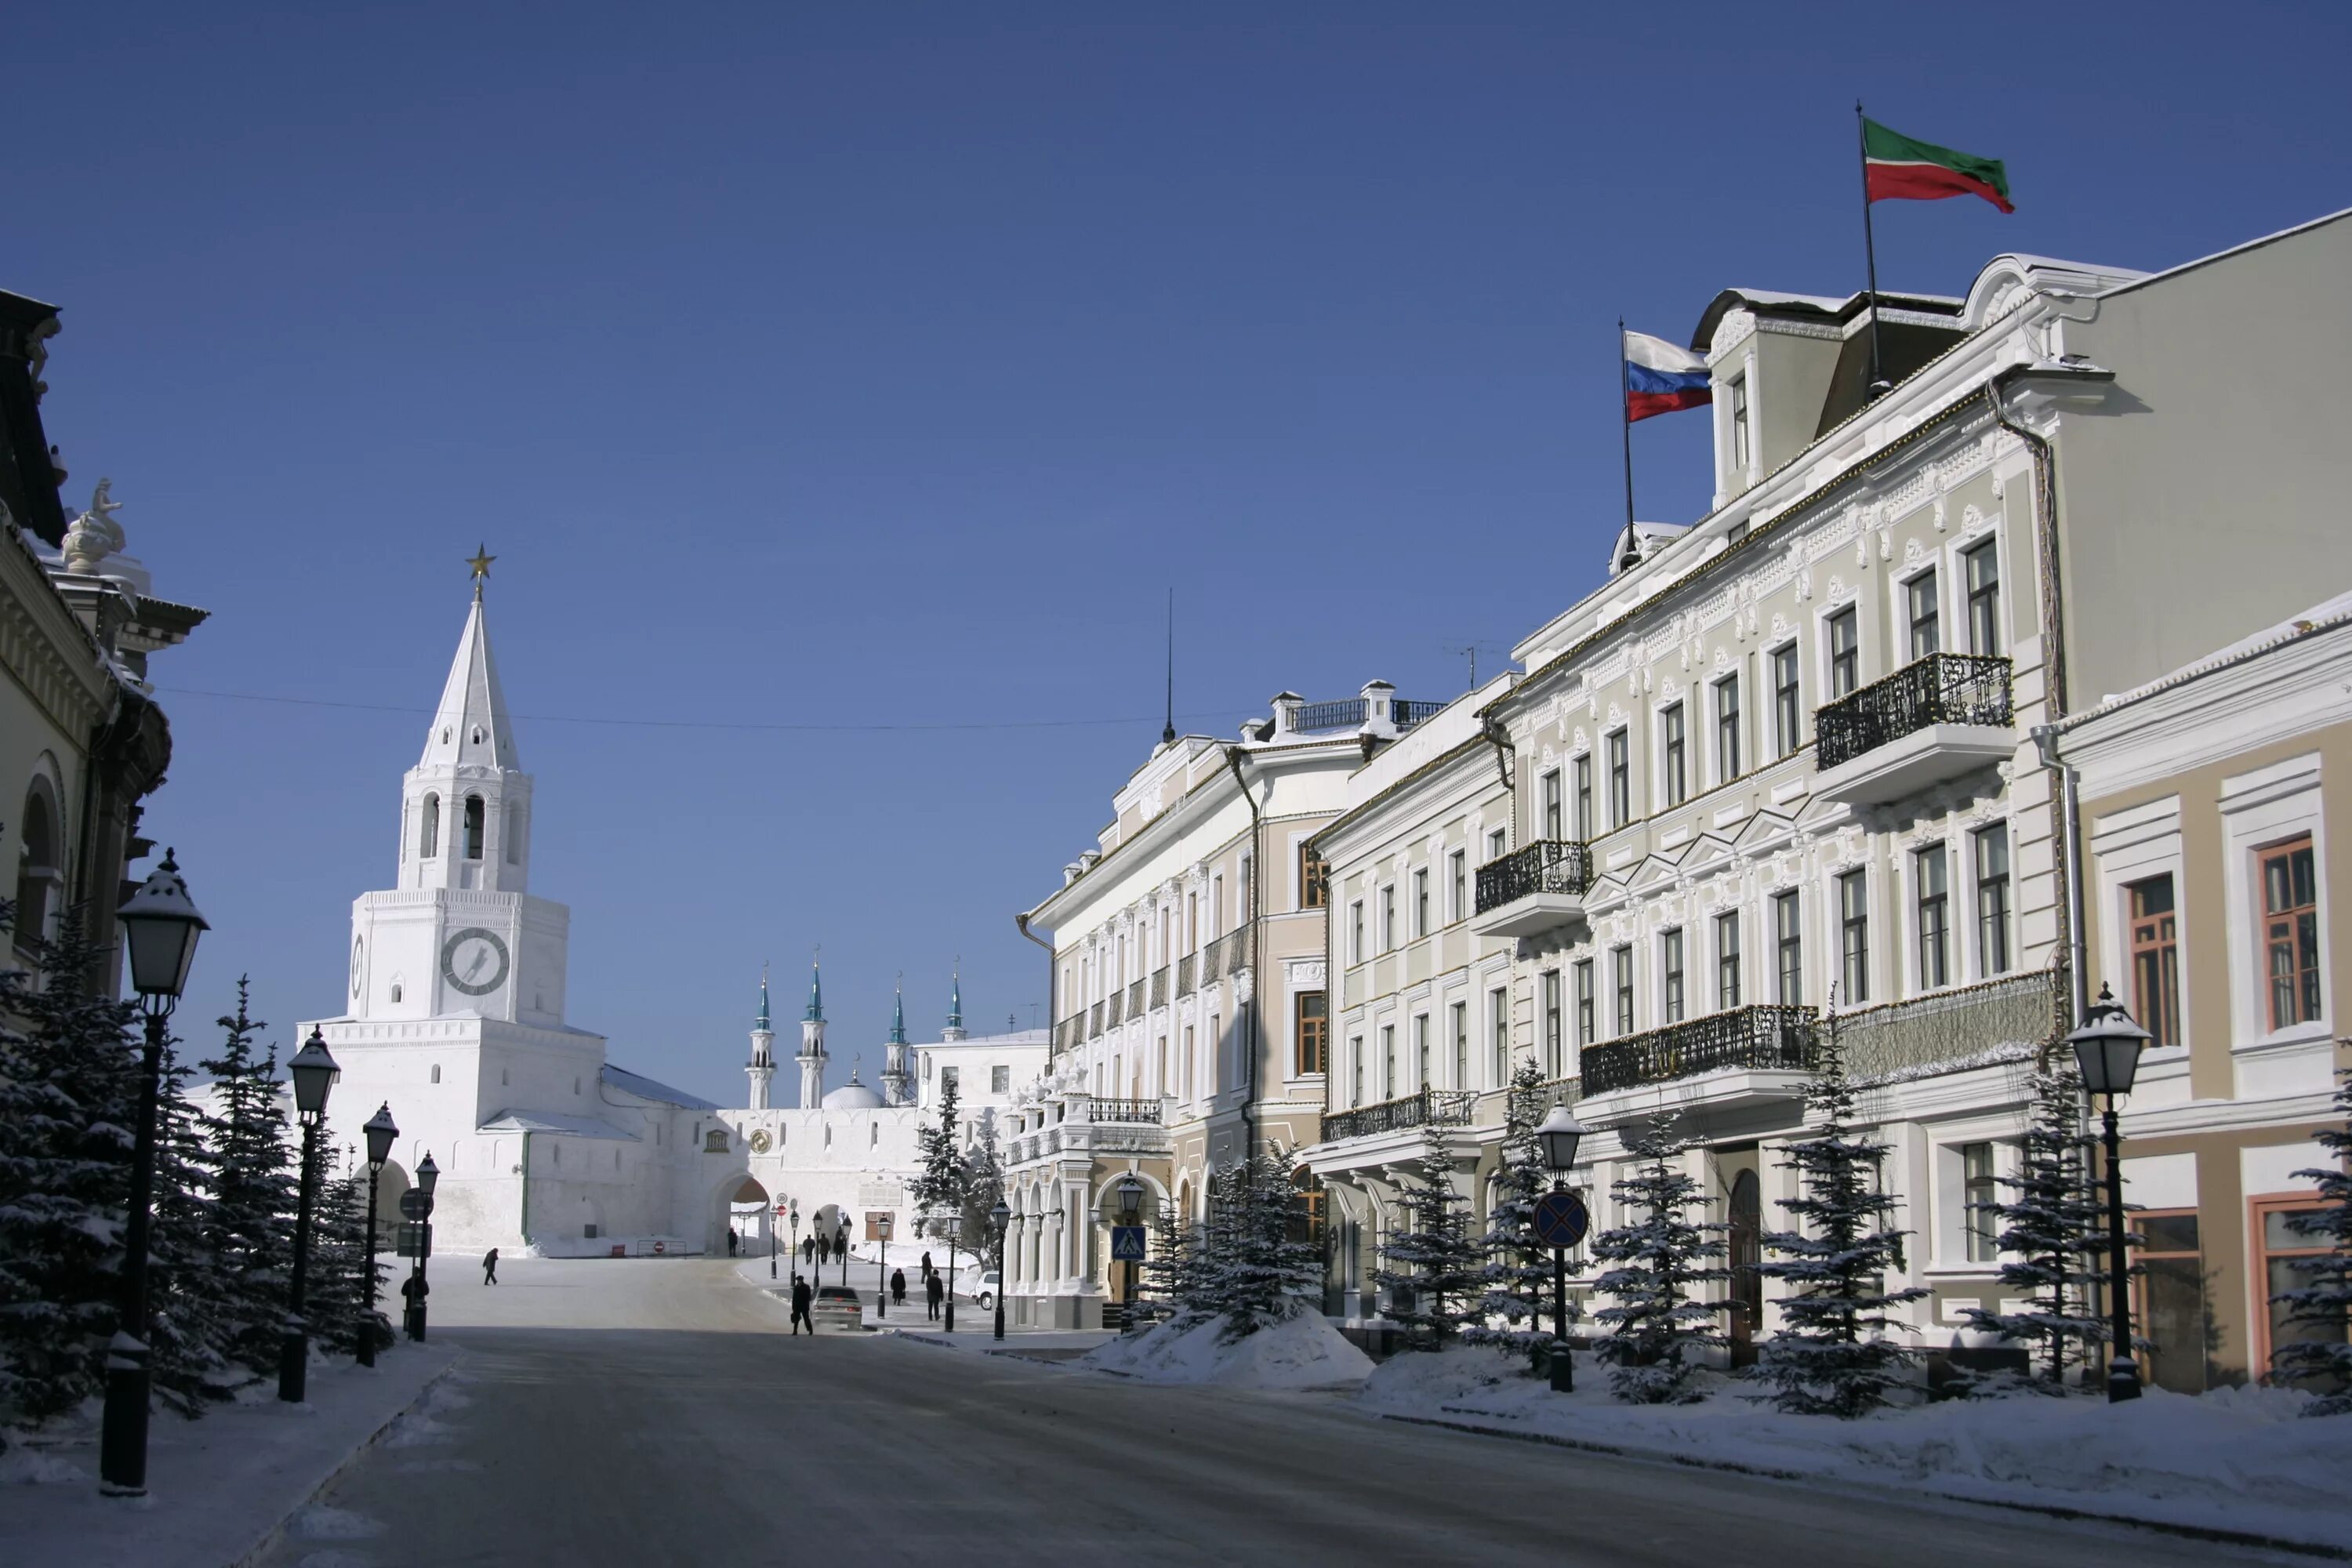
(937, 1187)
(2052, 1237)
(336, 1291)
(1658, 1331)
(1433, 1265)
(1515, 1309)
(2323, 1301)
(253, 1190)
(1172, 1265)
(1252, 1271)
(193, 1316)
(984, 1183)
(68, 1106)
(1831, 1355)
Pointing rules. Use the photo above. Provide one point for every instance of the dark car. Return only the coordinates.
(837, 1307)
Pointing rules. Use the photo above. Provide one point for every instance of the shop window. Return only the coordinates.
(2279, 1245)
(2168, 1300)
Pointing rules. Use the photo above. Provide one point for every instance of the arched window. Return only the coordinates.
(41, 876)
(428, 833)
(473, 827)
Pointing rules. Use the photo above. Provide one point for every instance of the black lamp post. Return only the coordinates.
(1560, 1134)
(160, 926)
(999, 1217)
(771, 1222)
(796, 1240)
(955, 1229)
(2106, 1049)
(381, 1131)
(428, 1176)
(882, 1274)
(314, 1073)
(1131, 1212)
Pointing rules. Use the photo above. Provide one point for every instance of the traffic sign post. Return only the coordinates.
(1127, 1244)
(413, 1240)
(1560, 1222)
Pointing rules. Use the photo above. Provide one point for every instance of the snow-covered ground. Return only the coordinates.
(1303, 1353)
(215, 1488)
(2233, 1459)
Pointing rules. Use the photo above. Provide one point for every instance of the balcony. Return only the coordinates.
(1184, 986)
(1749, 1052)
(1131, 1110)
(1932, 721)
(1429, 1108)
(1135, 1000)
(2002, 1020)
(1347, 714)
(1094, 1021)
(1228, 955)
(1533, 889)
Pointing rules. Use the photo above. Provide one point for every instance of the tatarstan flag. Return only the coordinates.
(1896, 168)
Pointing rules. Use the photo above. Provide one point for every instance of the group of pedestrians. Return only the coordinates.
(818, 1248)
(935, 1288)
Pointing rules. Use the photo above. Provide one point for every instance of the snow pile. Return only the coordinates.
(2236, 1458)
(1305, 1351)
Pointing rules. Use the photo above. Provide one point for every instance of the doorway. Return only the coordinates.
(1745, 1246)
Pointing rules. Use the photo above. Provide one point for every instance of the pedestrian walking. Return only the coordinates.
(927, 1270)
(897, 1287)
(824, 1249)
(841, 1241)
(730, 1241)
(933, 1288)
(490, 1267)
(412, 1291)
(808, 1250)
(801, 1298)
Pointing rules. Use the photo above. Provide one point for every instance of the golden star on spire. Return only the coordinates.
(481, 562)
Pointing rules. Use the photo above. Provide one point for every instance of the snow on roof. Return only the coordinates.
(2325, 616)
(553, 1121)
(639, 1084)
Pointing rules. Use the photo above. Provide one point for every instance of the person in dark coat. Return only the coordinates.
(802, 1296)
(730, 1241)
(897, 1287)
(934, 1288)
(927, 1270)
(412, 1291)
(490, 1267)
(841, 1241)
(808, 1249)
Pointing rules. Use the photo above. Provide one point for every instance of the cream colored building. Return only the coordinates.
(1782, 758)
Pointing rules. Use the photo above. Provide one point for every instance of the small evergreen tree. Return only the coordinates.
(1515, 1310)
(339, 1304)
(983, 1182)
(2052, 1235)
(1655, 1328)
(1252, 1272)
(254, 1192)
(68, 1110)
(2325, 1300)
(939, 1186)
(1436, 1270)
(1831, 1357)
(1171, 1269)
(191, 1306)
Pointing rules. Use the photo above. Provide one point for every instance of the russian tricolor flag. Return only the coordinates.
(1660, 378)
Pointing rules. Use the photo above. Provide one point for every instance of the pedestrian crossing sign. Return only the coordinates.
(1127, 1244)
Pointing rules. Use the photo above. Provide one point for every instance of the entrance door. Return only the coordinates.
(1746, 1284)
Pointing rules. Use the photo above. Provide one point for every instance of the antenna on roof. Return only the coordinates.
(1168, 729)
(1469, 650)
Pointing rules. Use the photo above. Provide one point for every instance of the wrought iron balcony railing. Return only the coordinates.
(1345, 714)
(1941, 689)
(1135, 1000)
(1069, 1031)
(1140, 1110)
(1947, 1031)
(1184, 966)
(1225, 956)
(1545, 866)
(1408, 714)
(1159, 986)
(1094, 1021)
(1428, 1108)
(1114, 1009)
(1759, 1038)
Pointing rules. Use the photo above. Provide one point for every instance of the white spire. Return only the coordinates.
(471, 727)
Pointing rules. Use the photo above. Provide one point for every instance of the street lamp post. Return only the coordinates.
(999, 1217)
(955, 1229)
(1130, 1213)
(314, 1073)
(159, 925)
(771, 1219)
(428, 1176)
(381, 1131)
(796, 1237)
(1560, 1134)
(882, 1274)
(2106, 1049)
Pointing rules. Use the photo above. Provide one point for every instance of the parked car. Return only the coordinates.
(990, 1283)
(836, 1306)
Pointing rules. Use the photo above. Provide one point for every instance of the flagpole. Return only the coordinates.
(1870, 256)
(1625, 422)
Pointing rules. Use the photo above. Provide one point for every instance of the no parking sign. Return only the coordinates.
(1561, 1219)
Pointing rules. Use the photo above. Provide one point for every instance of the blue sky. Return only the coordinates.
(841, 373)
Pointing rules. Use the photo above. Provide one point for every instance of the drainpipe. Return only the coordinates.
(1052, 1020)
(1257, 977)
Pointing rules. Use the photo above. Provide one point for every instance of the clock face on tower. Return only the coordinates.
(474, 961)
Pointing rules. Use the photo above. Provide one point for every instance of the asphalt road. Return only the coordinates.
(641, 1412)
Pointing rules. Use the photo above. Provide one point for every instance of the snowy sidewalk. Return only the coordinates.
(216, 1489)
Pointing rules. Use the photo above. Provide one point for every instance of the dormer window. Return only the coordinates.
(1742, 445)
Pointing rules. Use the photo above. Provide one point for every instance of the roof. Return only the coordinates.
(639, 1084)
(1815, 307)
(853, 1096)
(552, 1121)
(471, 725)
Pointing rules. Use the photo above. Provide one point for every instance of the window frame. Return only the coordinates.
(1979, 1235)
(1498, 1028)
(1727, 988)
(2152, 951)
(1982, 600)
(1995, 896)
(1458, 1014)
(1931, 910)
(1457, 891)
(1314, 879)
(1923, 614)
(1587, 1007)
(1420, 921)
(1843, 664)
(1580, 766)
(1553, 805)
(1788, 945)
(1311, 1031)
(1555, 1029)
(1674, 755)
(1727, 759)
(1620, 745)
(1787, 701)
(1853, 935)
(1621, 959)
(2300, 923)
(1674, 983)
(1356, 932)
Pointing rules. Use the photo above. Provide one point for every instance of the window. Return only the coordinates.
(1670, 959)
(1191, 1065)
(2169, 1305)
(1551, 805)
(1621, 963)
(1388, 1061)
(473, 826)
(1935, 905)
(1845, 653)
(1983, 566)
(1670, 724)
(2283, 1244)
(1740, 445)
(1788, 716)
(1498, 1029)
(1495, 844)
(1789, 947)
(1216, 906)
(1726, 961)
(1726, 728)
(1457, 876)
(1314, 879)
(1992, 899)
(1620, 780)
(1000, 1079)
(1583, 766)
(1551, 1018)
(2154, 960)
(1314, 1030)
(1216, 1043)
(1421, 902)
(1460, 1014)
(1356, 932)
(2290, 933)
(1242, 890)
(1355, 1069)
(436, 1072)
(949, 1078)
(1421, 1050)
(1853, 934)
(1585, 1021)
(1388, 918)
(428, 836)
(1980, 1190)
(1919, 601)
(40, 874)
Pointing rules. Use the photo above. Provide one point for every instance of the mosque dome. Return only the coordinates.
(853, 1096)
